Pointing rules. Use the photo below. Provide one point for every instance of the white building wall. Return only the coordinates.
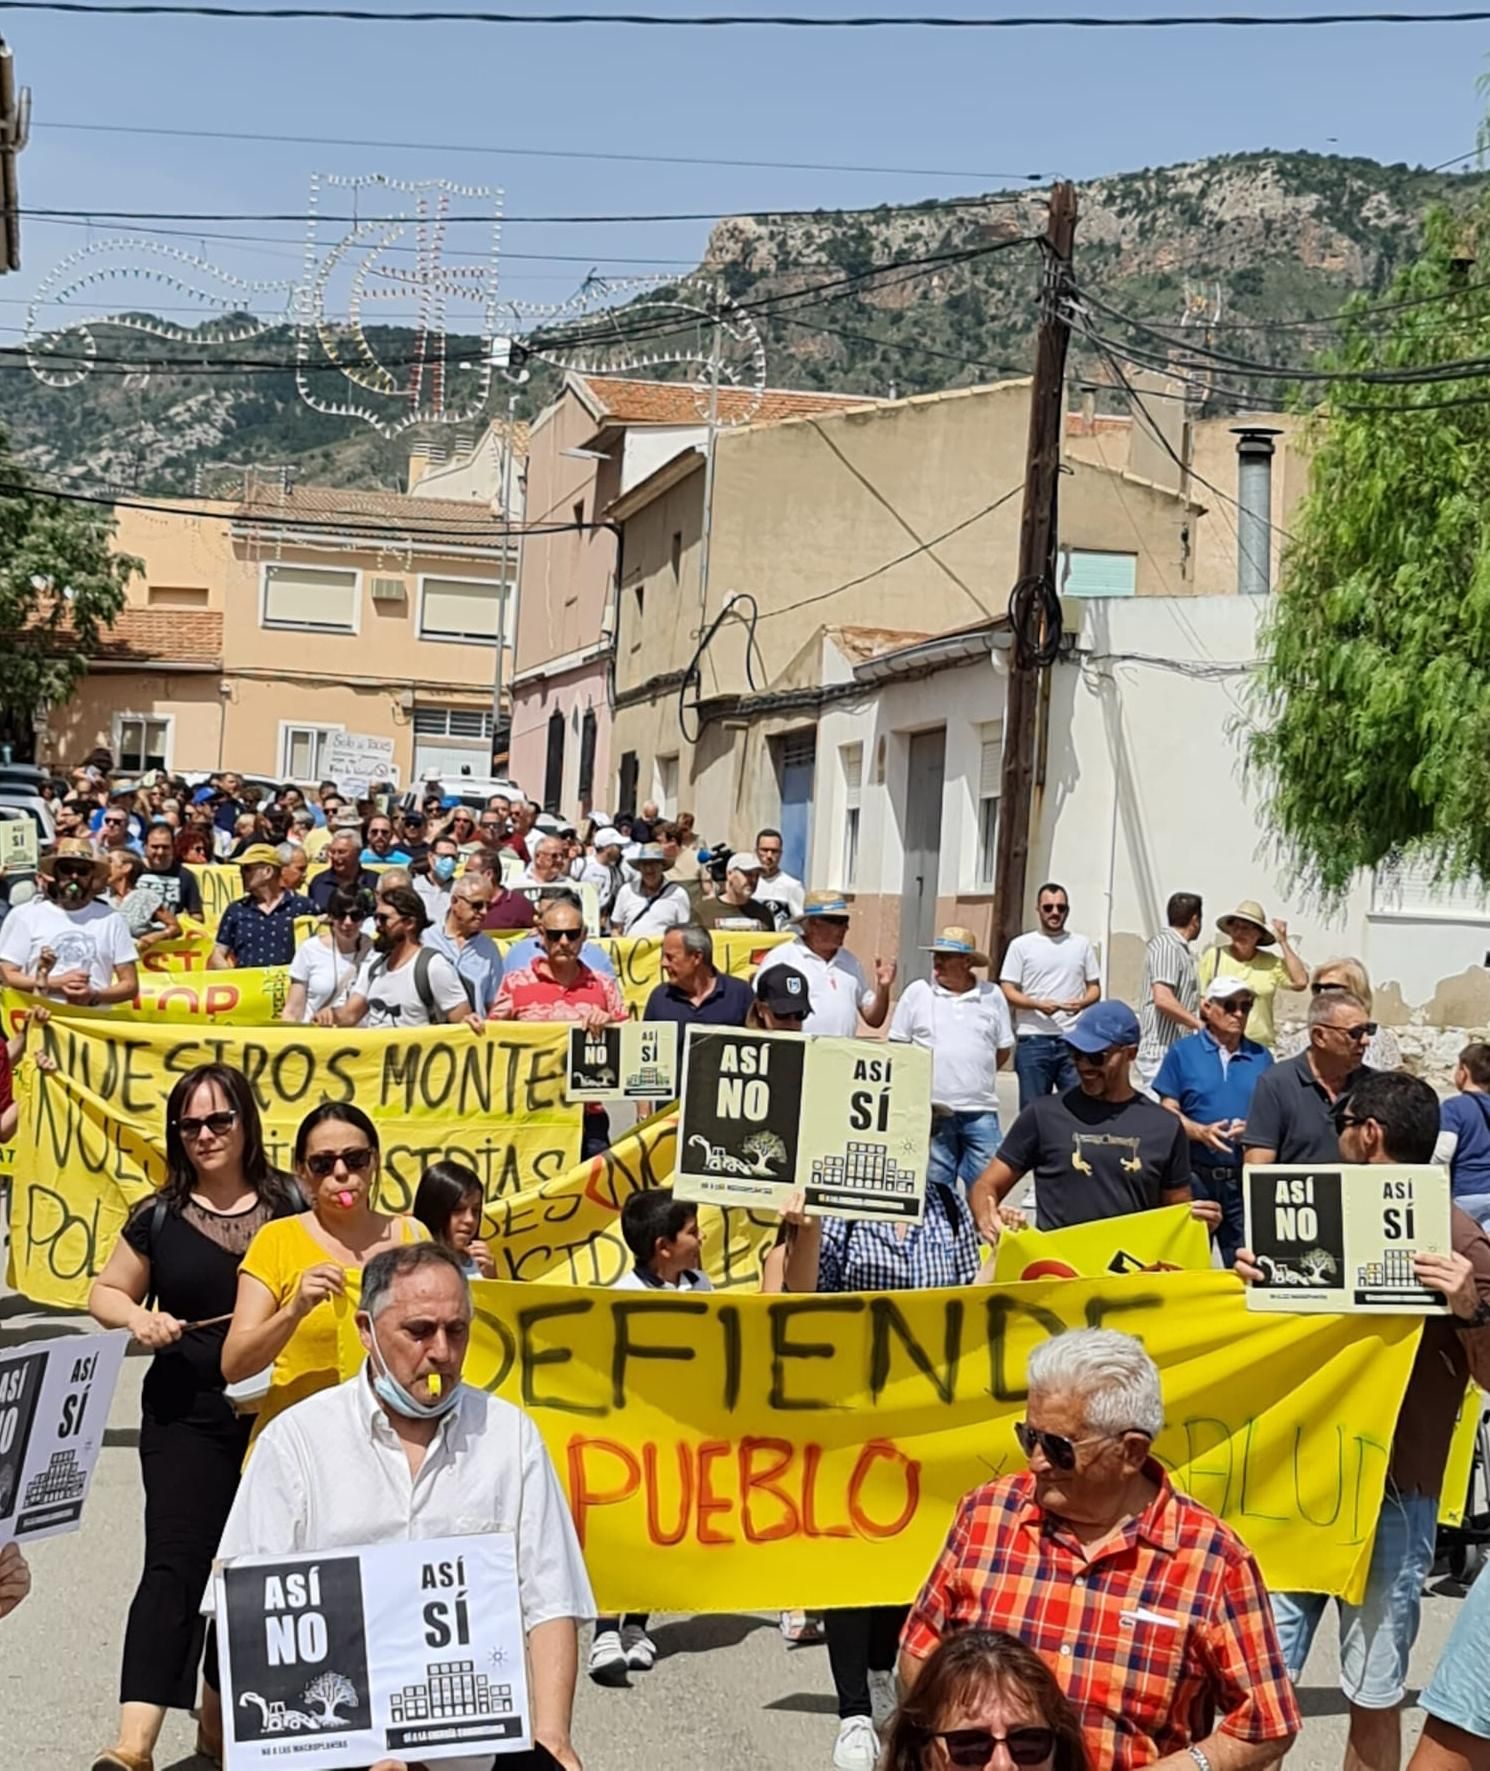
(650, 446)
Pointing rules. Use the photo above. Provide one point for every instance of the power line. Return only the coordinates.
(517, 153)
(769, 21)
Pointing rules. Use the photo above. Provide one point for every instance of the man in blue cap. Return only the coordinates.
(1100, 1150)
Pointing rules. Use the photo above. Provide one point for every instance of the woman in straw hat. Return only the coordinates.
(1247, 932)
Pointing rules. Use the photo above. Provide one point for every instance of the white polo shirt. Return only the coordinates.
(964, 1030)
(837, 987)
(329, 1473)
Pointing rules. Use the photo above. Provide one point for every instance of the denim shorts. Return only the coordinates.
(1459, 1691)
(1376, 1636)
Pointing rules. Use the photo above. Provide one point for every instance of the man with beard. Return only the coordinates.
(67, 942)
(402, 982)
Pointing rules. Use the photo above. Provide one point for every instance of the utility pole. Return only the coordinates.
(706, 535)
(511, 574)
(1038, 535)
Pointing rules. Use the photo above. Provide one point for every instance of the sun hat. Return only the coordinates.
(958, 940)
(346, 819)
(828, 904)
(1249, 910)
(258, 854)
(74, 848)
(1223, 988)
(1102, 1026)
(647, 851)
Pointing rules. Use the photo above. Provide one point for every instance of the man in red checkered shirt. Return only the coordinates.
(1150, 1612)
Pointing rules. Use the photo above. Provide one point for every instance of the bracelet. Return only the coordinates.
(1200, 1758)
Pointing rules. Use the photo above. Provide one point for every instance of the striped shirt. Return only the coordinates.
(1169, 960)
(1157, 1634)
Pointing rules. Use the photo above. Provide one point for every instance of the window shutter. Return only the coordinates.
(1100, 574)
(303, 596)
(459, 611)
(990, 768)
(853, 776)
(1403, 886)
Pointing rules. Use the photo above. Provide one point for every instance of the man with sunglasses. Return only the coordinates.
(403, 983)
(1048, 976)
(1101, 1150)
(1208, 1079)
(66, 941)
(259, 928)
(1291, 1118)
(1150, 1611)
(1386, 1116)
(457, 937)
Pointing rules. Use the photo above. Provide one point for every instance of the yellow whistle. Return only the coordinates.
(434, 1383)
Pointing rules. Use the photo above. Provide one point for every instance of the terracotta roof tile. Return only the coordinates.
(628, 401)
(394, 511)
(164, 636)
(860, 643)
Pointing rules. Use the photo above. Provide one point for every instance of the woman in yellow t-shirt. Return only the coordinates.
(1265, 973)
(293, 1310)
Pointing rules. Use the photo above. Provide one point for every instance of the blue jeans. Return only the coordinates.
(1459, 1692)
(1042, 1062)
(962, 1146)
(1224, 1185)
(1376, 1636)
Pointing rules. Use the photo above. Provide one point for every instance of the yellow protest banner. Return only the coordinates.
(220, 885)
(737, 1453)
(1146, 1241)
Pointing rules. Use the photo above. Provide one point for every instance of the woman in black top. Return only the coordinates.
(182, 1248)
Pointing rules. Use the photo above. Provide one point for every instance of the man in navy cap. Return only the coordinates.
(1100, 1150)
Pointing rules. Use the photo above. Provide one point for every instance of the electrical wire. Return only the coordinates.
(693, 671)
(772, 21)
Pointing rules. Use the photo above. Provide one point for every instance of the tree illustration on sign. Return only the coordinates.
(325, 1694)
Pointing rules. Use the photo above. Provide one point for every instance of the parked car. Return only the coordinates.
(465, 788)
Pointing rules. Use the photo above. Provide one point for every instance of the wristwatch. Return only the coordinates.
(1200, 1758)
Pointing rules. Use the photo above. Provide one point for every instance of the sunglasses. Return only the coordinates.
(972, 1748)
(1060, 1452)
(572, 935)
(324, 1162)
(219, 1124)
(1055, 910)
(481, 904)
(1360, 1033)
(348, 916)
(1235, 1005)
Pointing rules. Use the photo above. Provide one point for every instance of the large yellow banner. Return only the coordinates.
(733, 1453)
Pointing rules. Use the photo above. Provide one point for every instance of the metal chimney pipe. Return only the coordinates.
(1254, 474)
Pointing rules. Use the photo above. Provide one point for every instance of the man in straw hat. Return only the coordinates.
(259, 927)
(840, 990)
(66, 941)
(1247, 931)
(964, 1023)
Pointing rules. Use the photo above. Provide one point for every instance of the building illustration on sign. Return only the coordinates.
(61, 1480)
(1393, 1272)
(453, 1691)
(866, 1169)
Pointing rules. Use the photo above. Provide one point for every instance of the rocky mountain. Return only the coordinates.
(1244, 238)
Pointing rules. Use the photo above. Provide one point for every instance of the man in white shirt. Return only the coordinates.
(602, 868)
(550, 864)
(66, 941)
(650, 904)
(403, 983)
(778, 891)
(836, 981)
(965, 1026)
(391, 1456)
(1049, 976)
(436, 887)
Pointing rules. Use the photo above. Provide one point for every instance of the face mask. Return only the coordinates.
(388, 1389)
(444, 867)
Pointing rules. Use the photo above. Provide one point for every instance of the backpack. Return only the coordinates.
(424, 990)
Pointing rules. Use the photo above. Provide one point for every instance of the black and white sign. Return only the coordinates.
(635, 1061)
(54, 1406)
(410, 1651)
(1342, 1237)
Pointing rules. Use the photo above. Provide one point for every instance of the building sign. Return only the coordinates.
(637, 1061)
(1342, 1238)
(54, 1406)
(360, 756)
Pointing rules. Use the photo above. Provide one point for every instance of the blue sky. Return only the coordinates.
(976, 105)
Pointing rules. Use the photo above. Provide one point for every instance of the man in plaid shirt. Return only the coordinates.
(1150, 1612)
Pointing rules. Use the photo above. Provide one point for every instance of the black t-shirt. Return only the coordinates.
(176, 888)
(1290, 1113)
(1096, 1159)
(194, 1256)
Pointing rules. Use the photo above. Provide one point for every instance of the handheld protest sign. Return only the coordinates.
(410, 1651)
(635, 1061)
(848, 1121)
(17, 844)
(54, 1406)
(1342, 1237)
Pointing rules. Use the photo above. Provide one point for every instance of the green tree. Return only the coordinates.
(60, 587)
(1372, 733)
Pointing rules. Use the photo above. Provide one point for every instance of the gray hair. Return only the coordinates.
(391, 877)
(696, 940)
(549, 836)
(288, 852)
(1322, 1008)
(1111, 1374)
(380, 1273)
(468, 885)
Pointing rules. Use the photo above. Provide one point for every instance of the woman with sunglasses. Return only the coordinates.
(985, 1702)
(293, 1311)
(448, 1203)
(181, 1248)
(326, 964)
(1348, 977)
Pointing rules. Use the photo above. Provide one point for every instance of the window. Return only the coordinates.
(677, 555)
(177, 596)
(468, 611)
(302, 750)
(553, 767)
(142, 741)
(1099, 574)
(626, 780)
(851, 759)
(451, 722)
(587, 734)
(1403, 887)
(322, 599)
(665, 785)
(990, 774)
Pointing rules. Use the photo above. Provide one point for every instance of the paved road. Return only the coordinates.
(726, 1692)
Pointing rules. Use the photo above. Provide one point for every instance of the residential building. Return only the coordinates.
(261, 627)
(898, 518)
(475, 472)
(598, 439)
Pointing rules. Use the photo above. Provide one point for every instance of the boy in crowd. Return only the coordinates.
(663, 1237)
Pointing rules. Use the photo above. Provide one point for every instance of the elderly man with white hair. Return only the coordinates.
(1149, 1611)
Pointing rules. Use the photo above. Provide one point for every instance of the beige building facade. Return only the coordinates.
(259, 630)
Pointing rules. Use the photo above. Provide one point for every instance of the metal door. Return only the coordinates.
(797, 755)
(923, 848)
